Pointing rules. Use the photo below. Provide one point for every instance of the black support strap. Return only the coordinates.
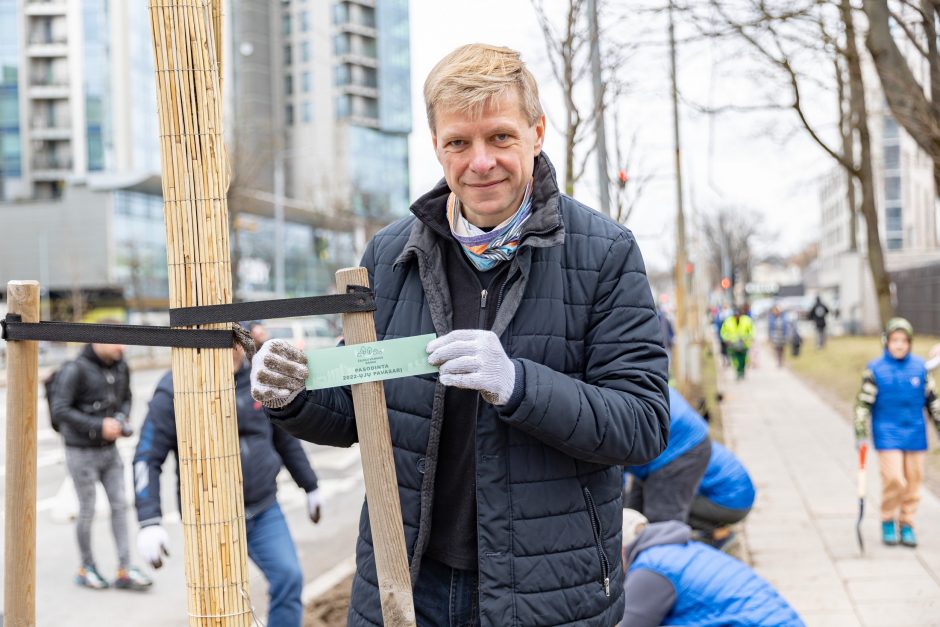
(357, 299)
(15, 329)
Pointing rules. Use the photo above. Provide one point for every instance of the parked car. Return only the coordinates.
(305, 333)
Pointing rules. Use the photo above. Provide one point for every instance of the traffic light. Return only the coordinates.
(623, 177)
(689, 267)
(725, 283)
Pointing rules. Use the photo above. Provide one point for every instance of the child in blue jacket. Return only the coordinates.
(896, 389)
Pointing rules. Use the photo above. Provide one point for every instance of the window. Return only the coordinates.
(892, 188)
(289, 114)
(306, 82)
(341, 45)
(892, 157)
(308, 111)
(893, 219)
(342, 74)
(288, 84)
(890, 128)
(304, 21)
(287, 54)
(305, 51)
(285, 24)
(340, 13)
(894, 243)
(343, 106)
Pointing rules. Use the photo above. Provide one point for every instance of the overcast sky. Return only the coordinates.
(732, 159)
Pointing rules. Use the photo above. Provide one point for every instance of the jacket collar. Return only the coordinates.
(543, 229)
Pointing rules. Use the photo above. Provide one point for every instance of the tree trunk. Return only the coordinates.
(933, 60)
(859, 110)
(906, 99)
(848, 151)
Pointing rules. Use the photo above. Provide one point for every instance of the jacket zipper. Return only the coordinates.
(482, 320)
(598, 540)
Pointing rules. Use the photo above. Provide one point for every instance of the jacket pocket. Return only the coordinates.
(598, 532)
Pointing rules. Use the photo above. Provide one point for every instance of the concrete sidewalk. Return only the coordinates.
(801, 533)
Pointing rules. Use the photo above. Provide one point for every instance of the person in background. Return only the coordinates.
(265, 449)
(778, 330)
(671, 580)
(664, 488)
(818, 315)
(90, 401)
(259, 334)
(738, 332)
(725, 497)
(896, 389)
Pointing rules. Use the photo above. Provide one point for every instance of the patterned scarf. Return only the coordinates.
(486, 249)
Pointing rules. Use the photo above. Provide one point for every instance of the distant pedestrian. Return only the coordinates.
(796, 340)
(738, 332)
(671, 580)
(818, 315)
(90, 403)
(259, 334)
(778, 330)
(896, 389)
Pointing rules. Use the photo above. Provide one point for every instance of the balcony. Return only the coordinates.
(46, 50)
(359, 90)
(55, 129)
(49, 92)
(50, 168)
(357, 29)
(46, 7)
(362, 3)
(357, 59)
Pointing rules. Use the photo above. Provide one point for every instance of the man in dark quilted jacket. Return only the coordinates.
(552, 372)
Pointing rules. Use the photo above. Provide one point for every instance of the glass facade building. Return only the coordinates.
(97, 84)
(10, 147)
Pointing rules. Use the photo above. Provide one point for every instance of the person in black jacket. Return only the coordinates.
(264, 450)
(552, 372)
(91, 400)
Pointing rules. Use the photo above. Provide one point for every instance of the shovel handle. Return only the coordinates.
(862, 453)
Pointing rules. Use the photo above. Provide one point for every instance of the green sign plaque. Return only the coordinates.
(374, 361)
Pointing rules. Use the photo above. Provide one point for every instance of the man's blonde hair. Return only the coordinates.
(473, 75)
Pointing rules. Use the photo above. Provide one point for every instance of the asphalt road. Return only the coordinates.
(325, 549)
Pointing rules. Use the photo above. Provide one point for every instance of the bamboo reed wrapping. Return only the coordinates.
(186, 37)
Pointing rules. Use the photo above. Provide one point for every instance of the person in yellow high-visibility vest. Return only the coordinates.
(738, 332)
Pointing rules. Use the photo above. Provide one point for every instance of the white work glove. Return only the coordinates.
(314, 505)
(474, 359)
(153, 545)
(278, 373)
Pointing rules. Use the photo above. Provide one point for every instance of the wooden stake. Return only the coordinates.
(187, 57)
(378, 469)
(19, 564)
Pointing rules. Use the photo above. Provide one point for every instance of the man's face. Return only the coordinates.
(109, 353)
(899, 345)
(488, 160)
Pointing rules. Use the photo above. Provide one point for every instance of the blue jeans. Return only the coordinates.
(272, 550)
(445, 596)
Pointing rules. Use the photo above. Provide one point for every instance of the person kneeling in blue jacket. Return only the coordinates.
(265, 449)
(725, 496)
(664, 488)
(671, 580)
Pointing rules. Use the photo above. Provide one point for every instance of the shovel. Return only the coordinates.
(862, 451)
